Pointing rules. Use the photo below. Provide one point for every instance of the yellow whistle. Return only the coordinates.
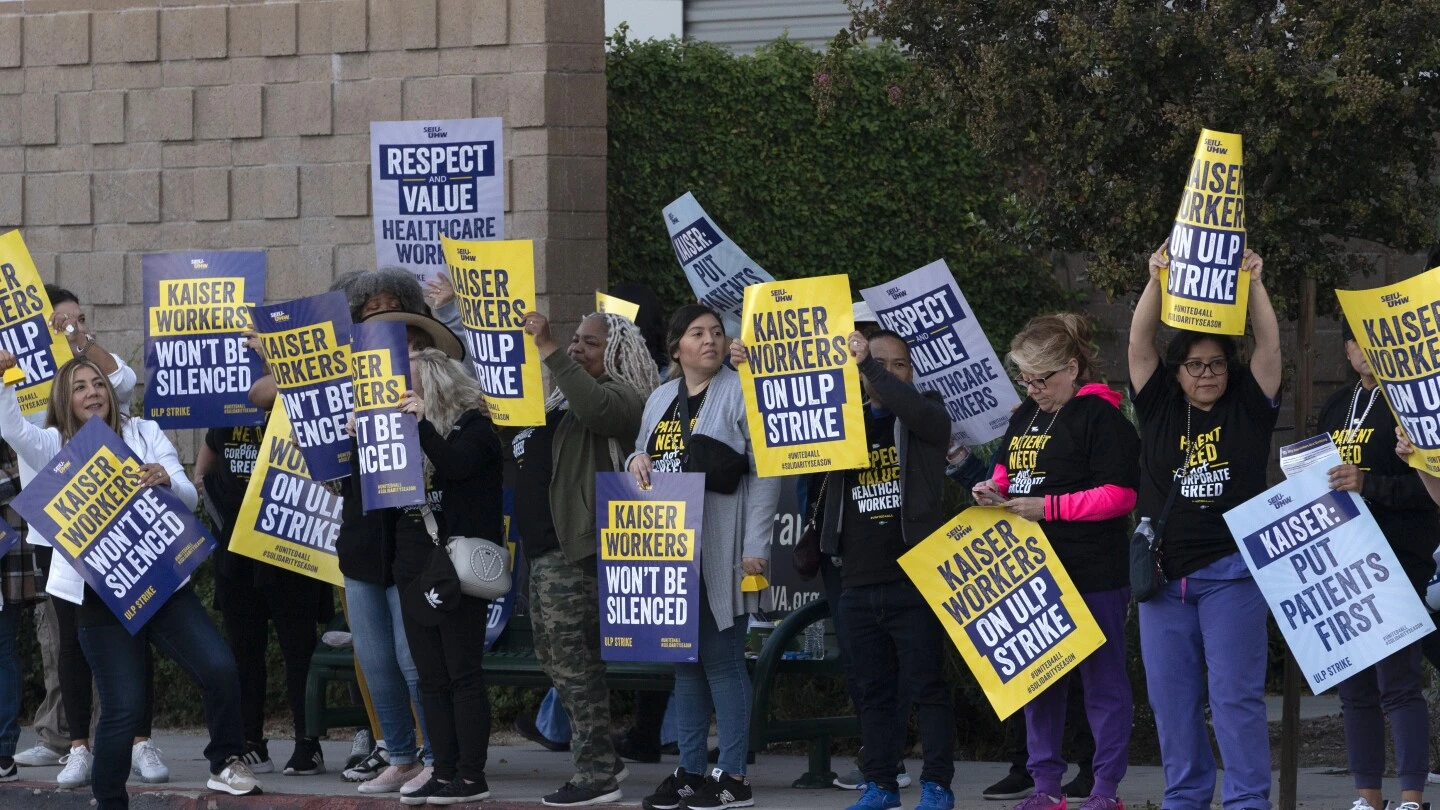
(754, 583)
(14, 376)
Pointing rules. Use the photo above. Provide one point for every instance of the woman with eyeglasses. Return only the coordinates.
(1205, 425)
(1069, 461)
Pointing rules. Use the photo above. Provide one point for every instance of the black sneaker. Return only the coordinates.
(9, 771)
(308, 759)
(672, 792)
(1013, 786)
(525, 727)
(459, 791)
(422, 796)
(257, 757)
(628, 748)
(1079, 787)
(369, 768)
(573, 795)
(719, 791)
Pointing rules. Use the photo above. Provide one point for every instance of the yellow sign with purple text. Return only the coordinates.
(25, 327)
(618, 306)
(1204, 289)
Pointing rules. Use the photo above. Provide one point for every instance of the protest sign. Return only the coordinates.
(948, 350)
(1398, 329)
(649, 543)
(25, 325)
(133, 546)
(500, 610)
(286, 519)
(802, 391)
(787, 591)
(307, 345)
(619, 306)
(717, 268)
(429, 178)
(392, 469)
(1007, 603)
(1329, 576)
(1316, 451)
(1204, 289)
(198, 369)
(494, 288)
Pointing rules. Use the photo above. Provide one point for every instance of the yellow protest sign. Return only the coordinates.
(25, 325)
(802, 390)
(1204, 289)
(494, 288)
(1398, 329)
(1006, 602)
(286, 519)
(618, 306)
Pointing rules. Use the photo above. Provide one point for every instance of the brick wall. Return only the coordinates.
(130, 127)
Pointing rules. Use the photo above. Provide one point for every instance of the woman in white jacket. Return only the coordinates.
(180, 628)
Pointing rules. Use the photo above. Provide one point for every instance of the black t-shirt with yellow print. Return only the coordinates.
(666, 445)
(871, 540)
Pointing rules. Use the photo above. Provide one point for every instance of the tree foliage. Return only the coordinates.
(1094, 108)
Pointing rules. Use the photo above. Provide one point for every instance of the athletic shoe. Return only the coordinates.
(621, 772)
(145, 763)
(719, 791)
(573, 795)
(1041, 801)
(393, 778)
(855, 779)
(1413, 806)
(257, 757)
(76, 772)
(1433, 778)
(876, 798)
(360, 748)
(423, 793)
(1013, 786)
(459, 791)
(235, 778)
(11, 772)
(902, 779)
(1102, 803)
(308, 759)
(935, 796)
(43, 756)
(673, 791)
(627, 748)
(1081, 786)
(525, 727)
(369, 768)
(417, 781)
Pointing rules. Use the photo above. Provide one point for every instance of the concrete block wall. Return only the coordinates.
(129, 127)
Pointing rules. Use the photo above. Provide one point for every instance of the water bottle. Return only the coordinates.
(815, 641)
(1144, 529)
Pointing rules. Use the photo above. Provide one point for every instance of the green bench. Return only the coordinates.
(511, 662)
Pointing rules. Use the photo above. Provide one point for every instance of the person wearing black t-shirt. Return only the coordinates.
(1363, 429)
(1205, 425)
(1069, 460)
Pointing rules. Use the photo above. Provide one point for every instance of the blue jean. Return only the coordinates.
(10, 680)
(1200, 635)
(719, 684)
(384, 655)
(181, 630)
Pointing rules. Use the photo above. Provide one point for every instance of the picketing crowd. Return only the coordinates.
(1071, 460)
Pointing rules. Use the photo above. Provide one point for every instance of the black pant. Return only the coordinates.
(894, 636)
(452, 686)
(76, 679)
(1079, 742)
(293, 605)
(830, 579)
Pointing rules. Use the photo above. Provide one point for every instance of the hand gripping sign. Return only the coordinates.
(25, 325)
(1204, 289)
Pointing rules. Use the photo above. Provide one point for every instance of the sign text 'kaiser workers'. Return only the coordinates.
(25, 332)
(392, 471)
(802, 392)
(718, 270)
(133, 545)
(198, 368)
(1204, 289)
(1332, 581)
(307, 347)
(649, 565)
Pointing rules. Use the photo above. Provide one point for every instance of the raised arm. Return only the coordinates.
(34, 445)
(1145, 323)
(1265, 364)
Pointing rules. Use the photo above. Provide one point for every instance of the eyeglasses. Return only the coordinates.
(1197, 367)
(1037, 383)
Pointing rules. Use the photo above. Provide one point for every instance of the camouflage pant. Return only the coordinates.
(565, 615)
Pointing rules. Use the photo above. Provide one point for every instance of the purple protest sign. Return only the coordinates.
(392, 471)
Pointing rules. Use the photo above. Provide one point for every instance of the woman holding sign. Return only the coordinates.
(180, 628)
(1205, 425)
(1069, 461)
(696, 423)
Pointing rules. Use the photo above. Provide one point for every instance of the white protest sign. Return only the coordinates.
(1316, 451)
(429, 178)
(1331, 580)
(718, 270)
(948, 350)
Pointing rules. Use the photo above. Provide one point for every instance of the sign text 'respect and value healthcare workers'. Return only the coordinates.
(649, 544)
(1007, 603)
(1204, 289)
(307, 347)
(25, 325)
(1398, 329)
(802, 391)
(198, 368)
(1331, 579)
(494, 289)
(718, 270)
(434, 178)
(133, 545)
(948, 350)
(286, 519)
(392, 471)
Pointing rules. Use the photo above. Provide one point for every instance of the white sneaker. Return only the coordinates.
(145, 763)
(76, 772)
(235, 778)
(43, 755)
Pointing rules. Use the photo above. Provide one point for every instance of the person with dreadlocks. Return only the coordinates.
(591, 418)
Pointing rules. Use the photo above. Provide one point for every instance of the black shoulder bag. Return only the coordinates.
(723, 467)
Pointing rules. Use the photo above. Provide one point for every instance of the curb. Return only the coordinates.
(45, 796)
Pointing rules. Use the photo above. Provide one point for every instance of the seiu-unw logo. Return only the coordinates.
(1395, 299)
(781, 296)
(435, 132)
(895, 293)
(199, 264)
(1278, 501)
